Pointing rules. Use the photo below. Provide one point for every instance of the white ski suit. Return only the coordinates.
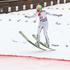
(43, 24)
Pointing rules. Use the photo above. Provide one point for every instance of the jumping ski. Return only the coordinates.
(31, 41)
(34, 36)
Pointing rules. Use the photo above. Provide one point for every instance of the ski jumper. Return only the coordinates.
(43, 24)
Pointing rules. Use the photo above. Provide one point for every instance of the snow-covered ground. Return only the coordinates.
(12, 43)
(32, 64)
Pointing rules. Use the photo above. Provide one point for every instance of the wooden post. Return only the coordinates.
(20, 7)
(5, 9)
(55, 2)
(67, 1)
(48, 3)
(61, 1)
(13, 6)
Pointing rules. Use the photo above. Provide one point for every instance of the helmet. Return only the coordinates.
(39, 7)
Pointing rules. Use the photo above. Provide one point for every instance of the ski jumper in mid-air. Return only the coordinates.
(43, 23)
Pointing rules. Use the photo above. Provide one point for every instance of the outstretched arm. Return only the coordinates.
(59, 15)
(54, 14)
(28, 16)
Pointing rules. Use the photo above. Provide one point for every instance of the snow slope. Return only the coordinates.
(12, 43)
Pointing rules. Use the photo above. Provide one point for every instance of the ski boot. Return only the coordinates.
(46, 44)
(37, 44)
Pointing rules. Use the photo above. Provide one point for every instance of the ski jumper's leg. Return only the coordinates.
(45, 28)
(38, 33)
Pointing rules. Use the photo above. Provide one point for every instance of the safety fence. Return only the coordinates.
(7, 6)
